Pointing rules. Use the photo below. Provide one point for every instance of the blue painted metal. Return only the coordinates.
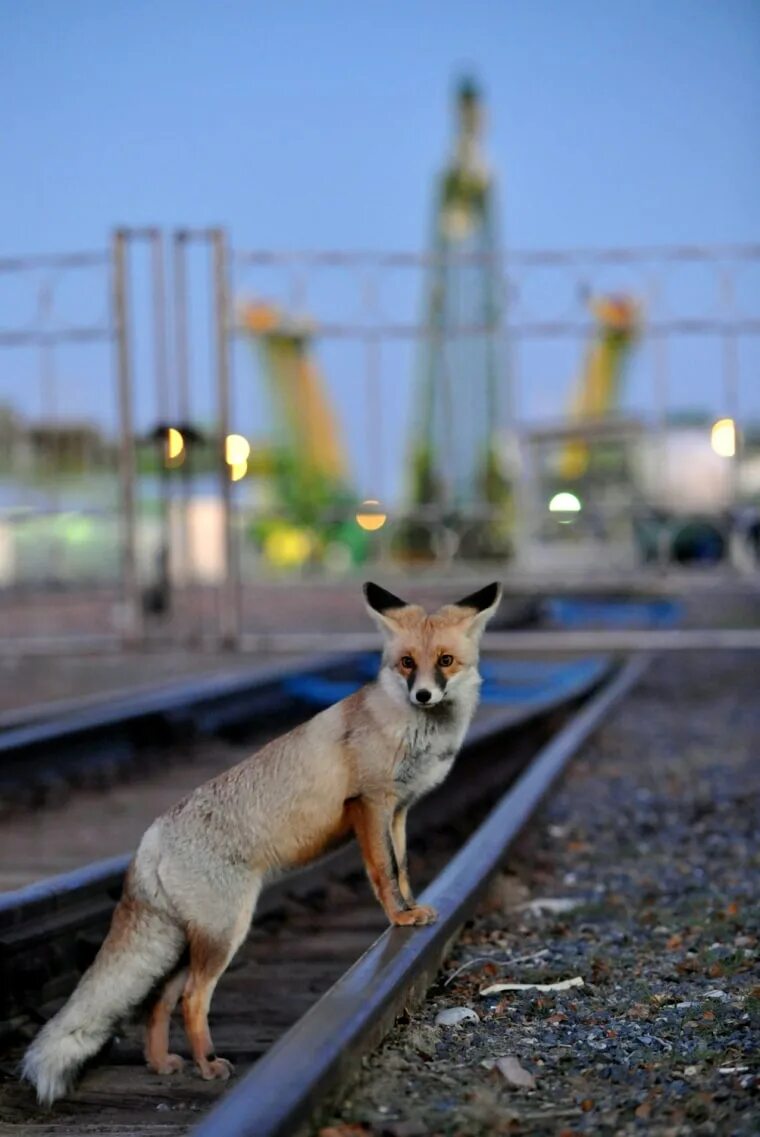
(571, 612)
(506, 682)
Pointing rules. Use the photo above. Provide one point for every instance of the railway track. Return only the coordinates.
(296, 1006)
(91, 741)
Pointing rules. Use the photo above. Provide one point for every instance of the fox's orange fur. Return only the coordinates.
(191, 890)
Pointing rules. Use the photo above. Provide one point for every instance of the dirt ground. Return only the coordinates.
(639, 883)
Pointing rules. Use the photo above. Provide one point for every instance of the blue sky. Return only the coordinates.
(320, 123)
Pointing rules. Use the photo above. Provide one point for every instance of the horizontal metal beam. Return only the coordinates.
(53, 261)
(37, 338)
(535, 257)
(529, 329)
(320, 1051)
(618, 640)
(549, 642)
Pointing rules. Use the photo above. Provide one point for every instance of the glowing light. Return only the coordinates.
(175, 443)
(370, 515)
(288, 547)
(77, 530)
(174, 447)
(237, 450)
(238, 470)
(565, 503)
(723, 437)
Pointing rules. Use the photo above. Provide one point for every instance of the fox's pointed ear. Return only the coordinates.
(383, 606)
(479, 607)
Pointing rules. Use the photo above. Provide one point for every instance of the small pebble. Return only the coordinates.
(454, 1015)
(514, 1074)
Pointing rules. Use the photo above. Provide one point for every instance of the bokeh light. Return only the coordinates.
(723, 437)
(565, 502)
(370, 515)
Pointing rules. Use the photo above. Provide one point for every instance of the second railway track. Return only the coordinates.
(293, 1010)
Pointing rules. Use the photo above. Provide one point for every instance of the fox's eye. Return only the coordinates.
(407, 662)
(446, 660)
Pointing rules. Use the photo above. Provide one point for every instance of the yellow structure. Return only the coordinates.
(618, 322)
(308, 427)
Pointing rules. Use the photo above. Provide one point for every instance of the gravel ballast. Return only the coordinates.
(639, 879)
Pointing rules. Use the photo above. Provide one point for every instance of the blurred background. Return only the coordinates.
(294, 294)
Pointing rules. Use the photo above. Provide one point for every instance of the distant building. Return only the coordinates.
(11, 439)
(57, 447)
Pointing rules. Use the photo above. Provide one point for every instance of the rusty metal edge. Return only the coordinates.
(286, 1085)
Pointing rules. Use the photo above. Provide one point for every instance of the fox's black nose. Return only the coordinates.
(423, 696)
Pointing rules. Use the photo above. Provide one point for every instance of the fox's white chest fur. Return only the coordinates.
(431, 742)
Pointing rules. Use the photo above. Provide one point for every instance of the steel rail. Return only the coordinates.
(113, 729)
(320, 1051)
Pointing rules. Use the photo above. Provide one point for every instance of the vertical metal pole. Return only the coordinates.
(660, 375)
(229, 608)
(372, 393)
(506, 413)
(660, 368)
(182, 372)
(181, 363)
(375, 448)
(159, 325)
(49, 407)
(730, 374)
(524, 451)
(132, 627)
(161, 371)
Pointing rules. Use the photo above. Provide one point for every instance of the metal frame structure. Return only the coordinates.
(726, 320)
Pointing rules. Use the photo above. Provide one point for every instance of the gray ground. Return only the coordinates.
(653, 838)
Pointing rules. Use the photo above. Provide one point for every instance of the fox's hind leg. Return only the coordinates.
(210, 955)
(157, 1030)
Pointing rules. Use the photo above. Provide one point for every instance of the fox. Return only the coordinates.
(190, 891)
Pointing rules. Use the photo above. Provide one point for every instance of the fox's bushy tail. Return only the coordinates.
(141, 947)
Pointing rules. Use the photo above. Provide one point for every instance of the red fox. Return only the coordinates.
(191, 889)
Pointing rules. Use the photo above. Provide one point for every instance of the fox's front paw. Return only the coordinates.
(171, 1064)
(420, 914)
(212, 1068)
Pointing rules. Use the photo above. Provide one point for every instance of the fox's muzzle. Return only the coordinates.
(422, 693)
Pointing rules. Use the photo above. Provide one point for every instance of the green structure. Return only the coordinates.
(455, 463)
